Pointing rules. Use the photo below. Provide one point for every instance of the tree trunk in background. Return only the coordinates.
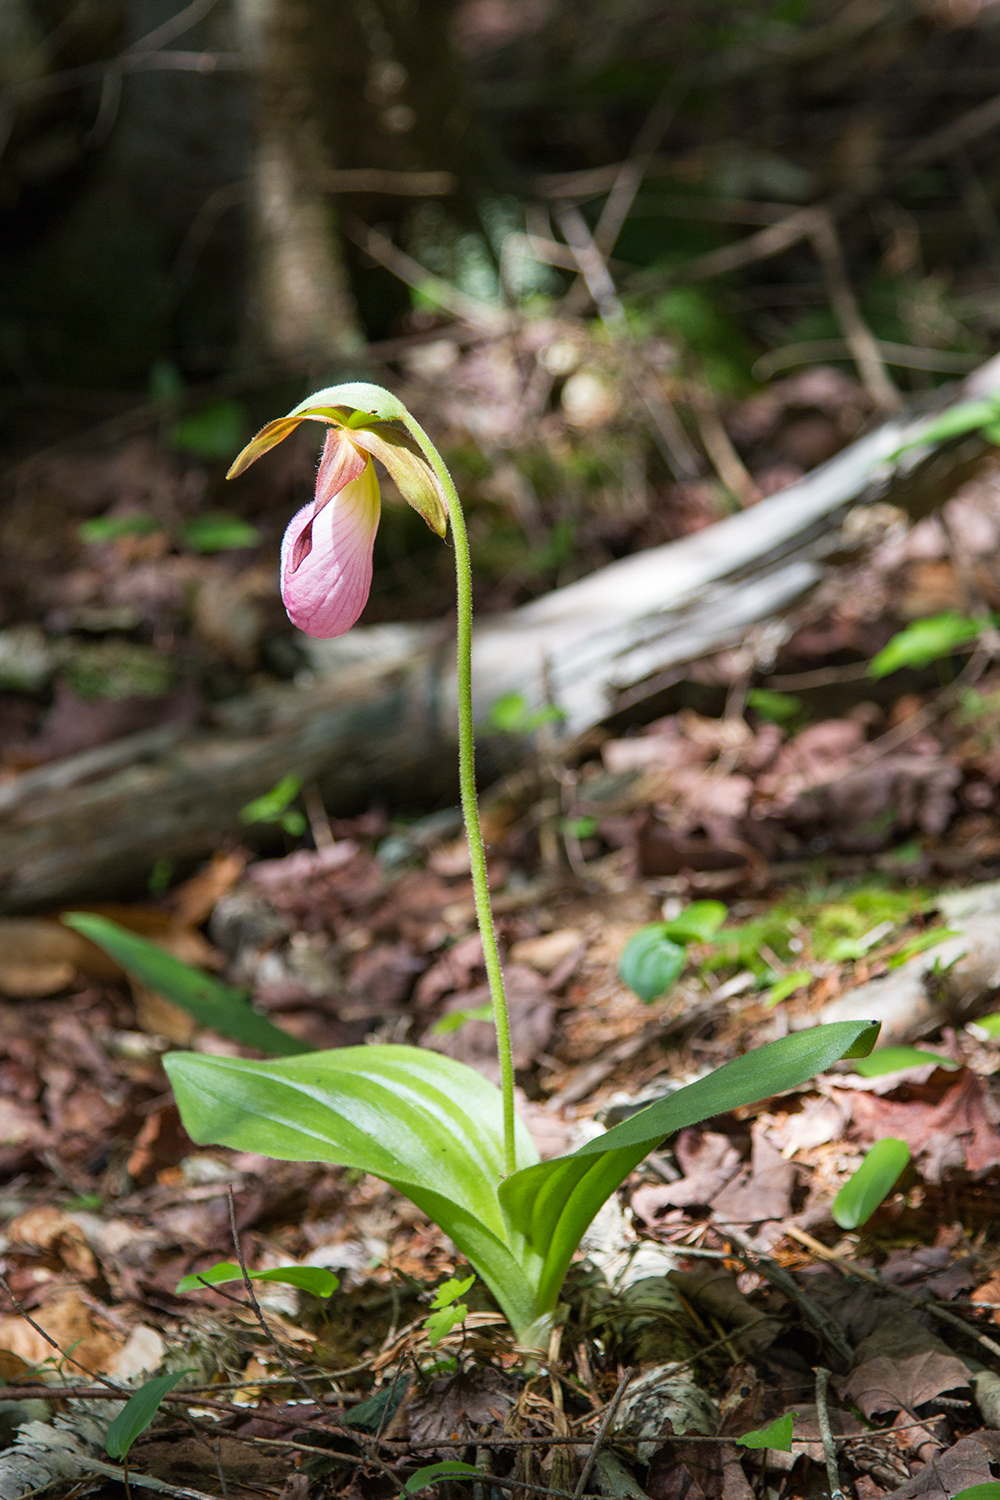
(302, 309)
(343, 84)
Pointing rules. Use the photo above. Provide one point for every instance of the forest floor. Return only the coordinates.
(848, 822)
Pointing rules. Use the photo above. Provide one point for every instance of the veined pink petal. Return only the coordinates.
(326, 557)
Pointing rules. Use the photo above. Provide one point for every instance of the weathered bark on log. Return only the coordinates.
(379, 712)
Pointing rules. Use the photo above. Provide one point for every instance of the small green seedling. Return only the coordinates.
(980, 415)
(651, 964)
(580, 828)
(454, 1020)
(110, 528)
(315, 1279)
(894, 1059)
(219, 533)
(138, 1412)
(654, 959)
(871, 1184)
(448, 1468)
(987, 1026)
(449, 1310)
(787, 985)
(776, 708)
(510, 714)
(275, 807)
(928, 640)
(778, 1435)
(697, 923)
(215, 432)
(920, 944)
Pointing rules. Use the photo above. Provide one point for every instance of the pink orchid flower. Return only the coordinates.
(326, 554)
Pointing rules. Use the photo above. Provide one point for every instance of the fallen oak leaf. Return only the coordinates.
(968, 1463)
(901, 1366)
(965, 1116)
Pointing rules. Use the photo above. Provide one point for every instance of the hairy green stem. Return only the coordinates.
(467, 783)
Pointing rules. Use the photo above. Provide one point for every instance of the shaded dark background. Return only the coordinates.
(133, 224)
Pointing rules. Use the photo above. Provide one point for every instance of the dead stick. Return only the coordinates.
(848, 1268)
(829, 1451)
(602, 1432)
(112, 1386)
(365, 1444)
(719, 446)
(779, 1277)
(857, 335)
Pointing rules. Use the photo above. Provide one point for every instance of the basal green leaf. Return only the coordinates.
(315, 1279)
(980, 1492)
(892, 1059)
(551, 1204)
(448, 1468)
(778, 1435)
(212, 1004)
(424, 1123)
(925, 641)
(872, 1182)
(137, 1413)
(697, 923)
(651, 963)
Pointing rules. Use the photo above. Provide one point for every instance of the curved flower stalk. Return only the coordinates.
(428, 1125)
(326, 570)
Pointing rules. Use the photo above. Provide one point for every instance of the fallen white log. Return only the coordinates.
(378, 714)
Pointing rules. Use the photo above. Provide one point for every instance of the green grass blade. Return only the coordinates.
(892, 1059)
(871, 1184)
(226, 1010)
(448, 1468)
(138, 1412)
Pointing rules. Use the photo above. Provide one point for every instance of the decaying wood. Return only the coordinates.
(378, 713)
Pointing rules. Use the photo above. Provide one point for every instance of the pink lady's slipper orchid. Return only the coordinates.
(326, 555)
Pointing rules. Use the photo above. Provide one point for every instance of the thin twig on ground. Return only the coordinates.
(719, 445)
(293, 1375)
(829, 1450)
(858, 336)
(112, 1386)
(821, 1320)
(667, 430)
(926, 1304)
(459, 304)
(366, 1444)
(602, 1432)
